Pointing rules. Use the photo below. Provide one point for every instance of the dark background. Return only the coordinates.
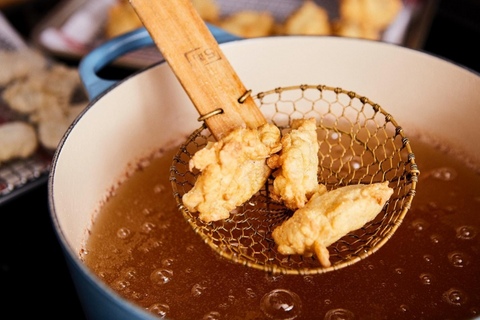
(34, 280)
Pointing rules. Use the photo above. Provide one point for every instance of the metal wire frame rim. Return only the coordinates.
(412, 176)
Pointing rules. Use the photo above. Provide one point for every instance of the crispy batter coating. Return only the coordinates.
(232, 170)
(309, 19)
(17, 140)
(378, 14)
(296, 179)
(249, 24)
(328, 216)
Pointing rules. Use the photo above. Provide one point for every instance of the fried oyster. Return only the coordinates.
(328, 216)
(296, 178)
(309, 19)
(232, 170)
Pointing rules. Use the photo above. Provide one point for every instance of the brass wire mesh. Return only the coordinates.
(358, 143)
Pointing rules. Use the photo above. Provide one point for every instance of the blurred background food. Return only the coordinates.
(75, 27)
(357, 18)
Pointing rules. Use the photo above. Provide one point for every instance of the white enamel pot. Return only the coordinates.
(129, 119)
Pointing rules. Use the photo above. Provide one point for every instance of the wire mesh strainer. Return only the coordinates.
(358, 143)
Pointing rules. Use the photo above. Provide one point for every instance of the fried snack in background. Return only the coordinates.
(358, 18)
(43, 88)
(353, 30)
(209, 10)
(44, 94)
(16, 65)
(121, 19)
(52, 127)
(309, 19)
(366, 18)
(17, 140)
(232, 169)
(296, 177)
(249, 24)
(328, 216)
(378, 14)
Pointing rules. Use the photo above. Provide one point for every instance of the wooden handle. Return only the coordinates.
(199, 64)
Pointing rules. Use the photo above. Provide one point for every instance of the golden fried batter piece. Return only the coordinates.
(121, 19)
(309, 19)
(328, 216)
(208, 10)
(377, 14)
(249, 24)
(296, 179)
(16, 65)
(17, 140)
(232, 169)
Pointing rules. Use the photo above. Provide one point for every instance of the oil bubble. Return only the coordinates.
(450, 209)
(167, 262)
(130, 273)
(147, 227)
(436, 238)
(159, 188)
(198, 289)
(123, 233)
(136, 295)
(399, 270)
(161, 276)
(466, 232)
(159, 309)
(273, 277)
(428, 258)
(339, 314)
(419, 225)
(308, 279)
(121, 284)
(250, 293)
(281, 304)
(456, 297)
(444, 174)
(426, 278)
(223, 306)
(212, 315)
(458, 259)
(475, 311)
(404, 308)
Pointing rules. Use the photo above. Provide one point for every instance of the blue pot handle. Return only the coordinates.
(117, 47)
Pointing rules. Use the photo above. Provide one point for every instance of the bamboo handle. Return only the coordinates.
(199, 64)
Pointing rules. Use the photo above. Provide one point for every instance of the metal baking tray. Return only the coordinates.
(20, 175)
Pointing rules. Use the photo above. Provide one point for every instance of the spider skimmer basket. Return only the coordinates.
(359, 143)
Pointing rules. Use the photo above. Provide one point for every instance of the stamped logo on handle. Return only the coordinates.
(202, 55)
